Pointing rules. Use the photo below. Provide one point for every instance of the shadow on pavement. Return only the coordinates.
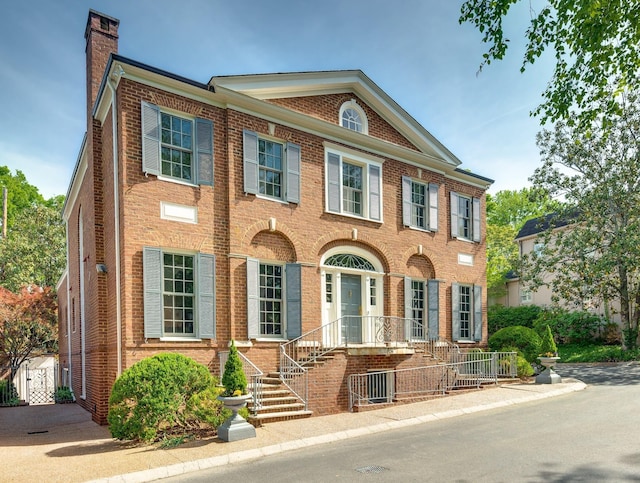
(602, 374)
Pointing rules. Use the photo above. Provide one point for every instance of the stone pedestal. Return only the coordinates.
(236, 427)
(548, 376)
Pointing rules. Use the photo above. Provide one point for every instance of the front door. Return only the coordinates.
(351, 309)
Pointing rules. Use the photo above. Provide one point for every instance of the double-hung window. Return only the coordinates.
(179, 294)
(422, 311)
(353, 185)
(466, 306)
(274, 300)
(271, 168)
(465, 217)
(271, 303)
(176, 147)
(419, 204)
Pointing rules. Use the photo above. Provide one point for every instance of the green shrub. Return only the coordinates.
(8, 393)
(548, 346)
(499, 317)
(233, 378)
(526, 340)
(161, 393)
(570, 327)
(524, 367)
(63, 395)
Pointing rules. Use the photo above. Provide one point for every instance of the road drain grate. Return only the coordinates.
(372, 469)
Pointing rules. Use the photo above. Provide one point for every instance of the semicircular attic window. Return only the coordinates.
(353, 117)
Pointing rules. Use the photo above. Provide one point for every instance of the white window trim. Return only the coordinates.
(356, 158)
(352, 104)
(173, 179)
(283, 169)
(426, 206)
(283, 305)
(185, 337)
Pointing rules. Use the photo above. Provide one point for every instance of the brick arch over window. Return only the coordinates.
(410, 260)
(272, 246)
(345, 237)
(419, 266)
(363, 246)
(251, 237)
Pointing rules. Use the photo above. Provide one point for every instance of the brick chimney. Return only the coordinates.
(102, 40)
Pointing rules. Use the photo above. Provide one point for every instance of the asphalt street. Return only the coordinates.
(587, 436)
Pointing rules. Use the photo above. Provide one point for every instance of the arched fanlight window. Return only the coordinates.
(353, 117)
(348, 260)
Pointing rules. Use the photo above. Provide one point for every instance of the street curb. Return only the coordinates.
(252, 454)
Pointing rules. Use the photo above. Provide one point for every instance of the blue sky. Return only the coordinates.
(414, 50)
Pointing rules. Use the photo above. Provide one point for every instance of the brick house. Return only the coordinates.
(260, 208)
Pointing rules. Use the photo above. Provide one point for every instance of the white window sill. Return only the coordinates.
(467, 342)
(266, 339)
(466, 240)
(269, 198)
(356, 217)
(419, 228)
(180, 339)
(176, 180)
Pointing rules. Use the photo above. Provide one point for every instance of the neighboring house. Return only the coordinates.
(517, 294)
(259, 208)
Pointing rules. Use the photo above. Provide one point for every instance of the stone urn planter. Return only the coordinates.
(235, 427)
(548, 376)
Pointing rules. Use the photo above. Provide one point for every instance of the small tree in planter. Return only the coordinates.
(235, 398)
(548, 347)
(233, 379)
(548, 357)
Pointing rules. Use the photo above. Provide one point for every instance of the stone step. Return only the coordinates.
(259, 419)
(275, 400)
(281, 408)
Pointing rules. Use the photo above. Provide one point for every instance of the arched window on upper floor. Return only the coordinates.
(352, 117)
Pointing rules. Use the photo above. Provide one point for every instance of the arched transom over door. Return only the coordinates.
(352, 293)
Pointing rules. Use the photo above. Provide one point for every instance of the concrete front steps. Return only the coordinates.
(278, 403)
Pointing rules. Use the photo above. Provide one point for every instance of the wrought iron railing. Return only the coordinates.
(370, 331)
(414, 383)
(253, 374)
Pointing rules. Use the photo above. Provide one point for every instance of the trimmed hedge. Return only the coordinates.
(499, 317)
(524, 339)
(160, 393)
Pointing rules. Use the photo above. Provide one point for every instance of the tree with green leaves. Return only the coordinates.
(34, 251)
(28, 325)
(596, 44)
(507, 211)
(21, 194)
(596, 257)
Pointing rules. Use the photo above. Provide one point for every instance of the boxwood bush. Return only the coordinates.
(526, 340)
(576, 327)
(499, 317)
(161, 393)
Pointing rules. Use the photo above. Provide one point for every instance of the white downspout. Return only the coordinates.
(70, 375)
(116, 201)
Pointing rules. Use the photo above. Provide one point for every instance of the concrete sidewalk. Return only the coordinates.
(60, 443)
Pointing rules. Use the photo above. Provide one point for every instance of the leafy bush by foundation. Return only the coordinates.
(161, 393)
(499, 317)
(8, 394)
(526, 340)
(570, 327)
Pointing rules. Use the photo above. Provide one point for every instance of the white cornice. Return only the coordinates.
(430, 154)
(271, 86)
(76, 181)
